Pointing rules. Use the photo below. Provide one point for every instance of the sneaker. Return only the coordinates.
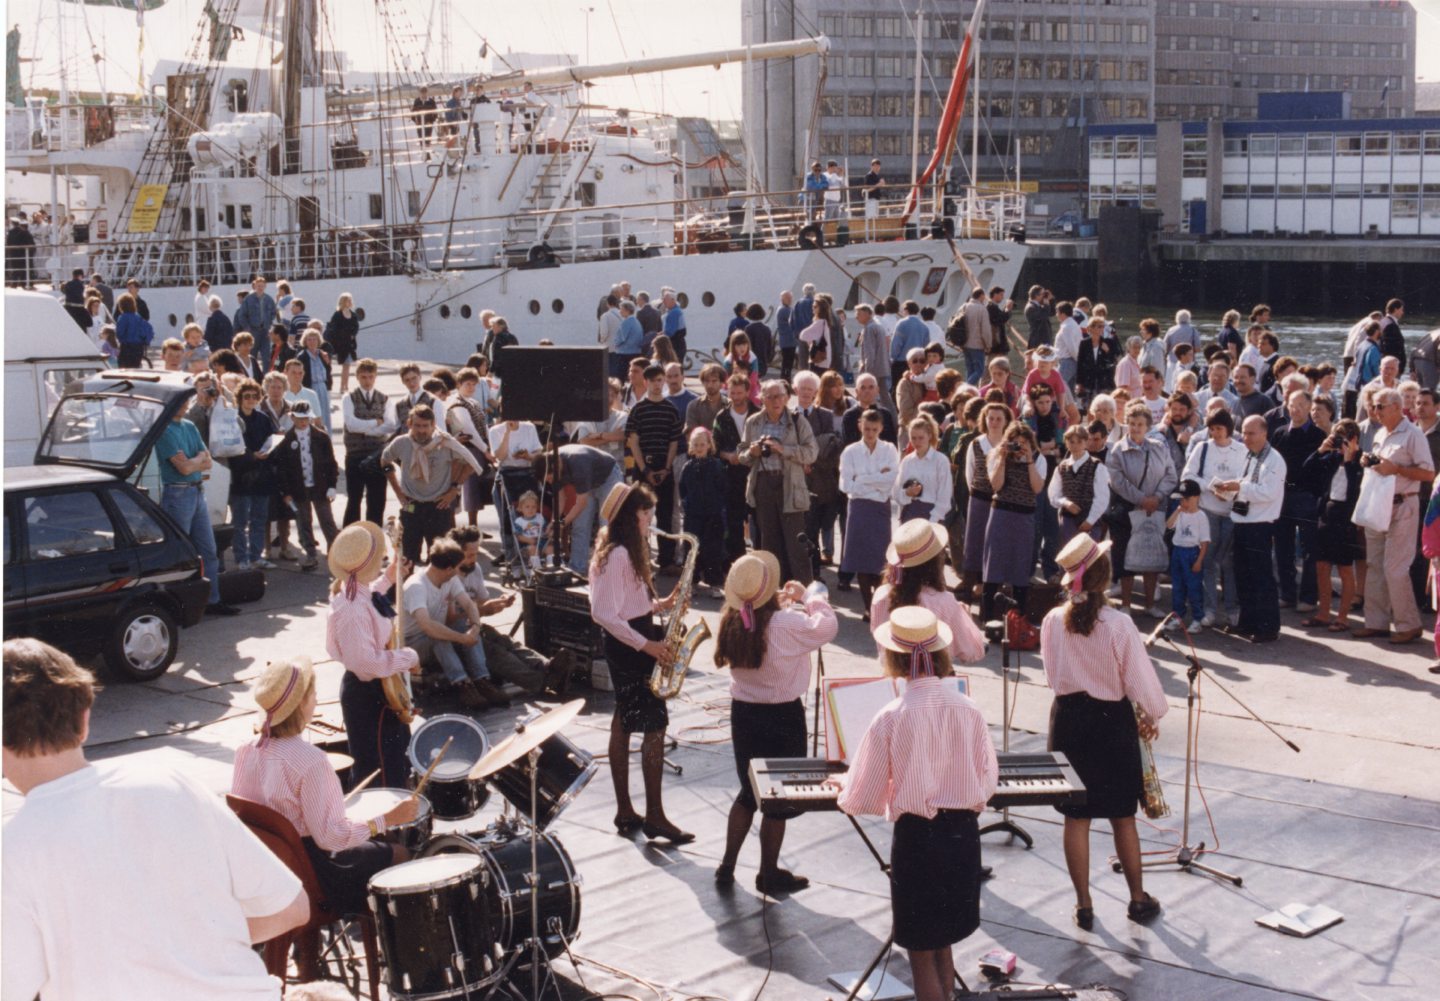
(1155, 612)
(265, 565)
(310, 561)
(1196, 625)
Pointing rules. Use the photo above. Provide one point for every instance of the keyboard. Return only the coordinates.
(1026, 779)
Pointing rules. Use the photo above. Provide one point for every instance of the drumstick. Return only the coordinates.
(368, 779)
(420, 786)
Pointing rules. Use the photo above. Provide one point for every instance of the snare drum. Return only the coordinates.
(431, 921)
(564, 771)
(453, 794)
(367, 804)
(505, 904)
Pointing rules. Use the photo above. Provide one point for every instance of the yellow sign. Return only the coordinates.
(146, 214)
(993, 188)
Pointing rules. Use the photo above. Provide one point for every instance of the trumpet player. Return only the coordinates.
(767, 634)
(623, 604)
(1096, 664)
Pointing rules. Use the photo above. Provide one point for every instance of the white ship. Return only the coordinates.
(269, 158)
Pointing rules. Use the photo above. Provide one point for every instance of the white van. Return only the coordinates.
(46, 353)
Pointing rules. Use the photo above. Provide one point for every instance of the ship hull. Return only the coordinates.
(436, 318)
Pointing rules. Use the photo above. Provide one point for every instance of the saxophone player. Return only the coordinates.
(1096, 664)
(767, 634)
(623, 604)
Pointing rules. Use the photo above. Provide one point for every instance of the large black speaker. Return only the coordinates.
(564, 384)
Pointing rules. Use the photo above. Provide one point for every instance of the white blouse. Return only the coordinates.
(867, 475)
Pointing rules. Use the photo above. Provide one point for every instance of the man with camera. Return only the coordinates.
(1400, 450)
(1258, 495)
(777, 446)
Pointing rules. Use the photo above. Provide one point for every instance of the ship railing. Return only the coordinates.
(682, 226)
(55, 128)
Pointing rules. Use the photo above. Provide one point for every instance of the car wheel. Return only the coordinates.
(143, 643)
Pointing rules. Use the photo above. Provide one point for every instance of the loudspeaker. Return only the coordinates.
(564, 384)
(240, 587)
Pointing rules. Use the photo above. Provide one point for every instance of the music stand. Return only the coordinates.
(1005, 825)
(1185, 856)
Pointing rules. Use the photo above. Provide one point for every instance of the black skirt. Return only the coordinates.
(1337, 541)
(344, 876)
(935, 879)
(640, 711)
(759, 730)
(1103, 744)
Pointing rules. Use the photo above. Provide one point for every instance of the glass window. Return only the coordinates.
(1348, 145)
(1137, 69)
(1002, 68)
(1233, 191)
(1377, 191)
(887, 66)
(832, 143)
(1377, 144)
(99, 429)
(1290, 145)
(56, 379)
(861, 66)
(1102, 149)
(1319, 145)
(832, 25)
(1057, 105)
(1127, 148)
(1029, 106)
(890, 105)
(861, 27)
(888, 27)
(1262, 145)
(1057, 69)
(1032, 68)
(889, 144)
(1431, 142)
(1236, 146)
(1057, 31)
(832, 105)
(860, 105)
(1292, 190)
(247, 217)
(861, 144)
(142, 523)
(1147, 149)
(1135, 107)
(1001, 30)
(1407, 142)
(68, 524)
(377, 207)
(1139, 34)
(1318, 190)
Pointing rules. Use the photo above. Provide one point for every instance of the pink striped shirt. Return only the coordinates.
(1110, 663)
(617, 595)
(295, 779)
(356, 635)
(784, 673)
(927, 751)
(968, 646)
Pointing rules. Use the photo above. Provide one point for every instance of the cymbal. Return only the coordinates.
(339, 761)
(517, 745)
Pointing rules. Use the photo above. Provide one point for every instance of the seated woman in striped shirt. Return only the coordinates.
(766, 637)
(294, 778)
(623, 603)
(1096, 664)
(926, 763)
(917, 577)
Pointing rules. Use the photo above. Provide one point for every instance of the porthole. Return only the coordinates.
(683, 300)
(466, 312)
(534, 307)
(172, 320)
(360, 314)
(444, 311)
(707, 299)
(558, 305)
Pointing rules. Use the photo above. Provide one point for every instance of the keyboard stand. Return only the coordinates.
(889, 942)
(1005, 825)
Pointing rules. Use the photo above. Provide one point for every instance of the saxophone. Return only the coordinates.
(398, 694)
(665, 681)
(1153, 800)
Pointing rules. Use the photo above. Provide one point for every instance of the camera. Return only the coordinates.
(765, 450)
(1369, 459)
(1241, 508)
(212, 392)
(910, 483)
(1013, 448)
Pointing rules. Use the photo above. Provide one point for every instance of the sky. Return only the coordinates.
(610, 30)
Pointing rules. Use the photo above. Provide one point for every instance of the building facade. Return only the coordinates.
(1342, 177)
(1049, 71)
(1213, 58)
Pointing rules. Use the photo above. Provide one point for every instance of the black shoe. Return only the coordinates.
(558, 672)
(986, 873)
(672, 834)
(1143, 910)
(1085, 917)
(220, 608)
(780, 881)
(1264, 637)
(724, 875)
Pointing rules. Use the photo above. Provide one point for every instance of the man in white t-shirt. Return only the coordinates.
(835, 178)
(121, 882)
(430, 599)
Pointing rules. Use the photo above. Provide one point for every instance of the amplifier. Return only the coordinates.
(559, 619)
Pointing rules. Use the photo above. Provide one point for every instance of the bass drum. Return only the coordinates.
(430, 921)
(505, 895)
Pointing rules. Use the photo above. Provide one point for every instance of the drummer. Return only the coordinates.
(293, 777)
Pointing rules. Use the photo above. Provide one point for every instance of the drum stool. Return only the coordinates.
(279, 835)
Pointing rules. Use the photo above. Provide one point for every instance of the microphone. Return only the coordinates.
(1158, 630)
(1003, 602)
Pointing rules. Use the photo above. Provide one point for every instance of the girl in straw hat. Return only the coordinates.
(1095, 662)
(916, 575)
(357, 634)
(623, 603)
(293, 777)
(926, 763)
(767, 634)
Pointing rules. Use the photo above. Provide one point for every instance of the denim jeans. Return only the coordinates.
(974, 365)
(1185, 583)
(1068, 368)
(186, 504)
(1220, 567)
(261, 350)
(251, 512)
(583, 529)
(456, 660)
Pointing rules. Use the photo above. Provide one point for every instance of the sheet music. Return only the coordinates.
(852, 703)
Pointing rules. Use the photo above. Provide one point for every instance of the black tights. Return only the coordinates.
(988, 611)
(868, 583)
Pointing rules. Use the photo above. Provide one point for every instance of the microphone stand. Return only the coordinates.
(1186, 857)
(812, 552)
(1005, 825)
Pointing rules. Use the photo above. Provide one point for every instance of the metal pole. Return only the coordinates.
(915, 117)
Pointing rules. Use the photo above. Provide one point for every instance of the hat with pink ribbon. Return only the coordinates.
(914, 629)
(280, 691)
(916, 543)
(1078, 556)
(751, 583)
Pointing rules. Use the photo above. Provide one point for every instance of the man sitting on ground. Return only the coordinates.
(430, 596)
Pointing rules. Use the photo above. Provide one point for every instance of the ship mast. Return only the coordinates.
(301, 70)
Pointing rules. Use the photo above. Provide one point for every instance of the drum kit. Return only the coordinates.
(461, 916)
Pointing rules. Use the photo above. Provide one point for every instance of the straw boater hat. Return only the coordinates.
(1077, 557)
(356, 554)
(917, 542)
(751, 583)
(610, 506)
(915, 630)
(280, 690)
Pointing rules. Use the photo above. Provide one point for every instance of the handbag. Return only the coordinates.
(1021, 635)
(1376, 505)
(1119, 510)
(227, 437)
(1146, 552)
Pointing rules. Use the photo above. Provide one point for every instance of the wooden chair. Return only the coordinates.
(279, 835)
